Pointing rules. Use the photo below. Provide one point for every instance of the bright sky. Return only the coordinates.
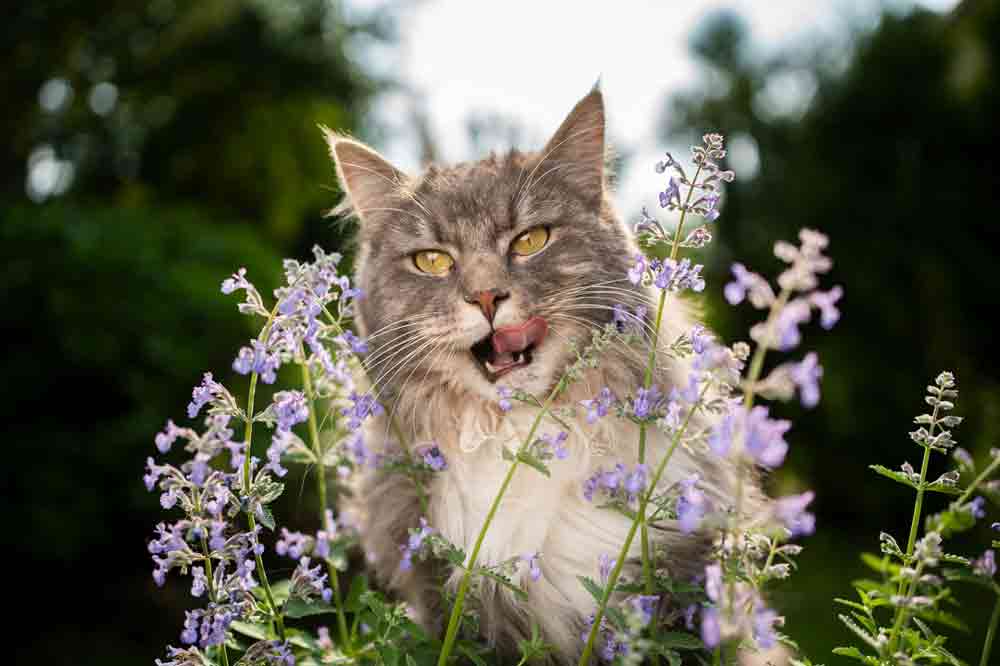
(530, 61)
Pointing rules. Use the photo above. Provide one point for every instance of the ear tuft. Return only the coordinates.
(578, 145)
(367, 179)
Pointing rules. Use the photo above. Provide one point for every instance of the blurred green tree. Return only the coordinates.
(886, 145)
(151, 149)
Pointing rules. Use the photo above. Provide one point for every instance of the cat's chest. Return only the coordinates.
(538, 514)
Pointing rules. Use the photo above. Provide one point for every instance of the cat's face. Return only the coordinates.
(481, 274)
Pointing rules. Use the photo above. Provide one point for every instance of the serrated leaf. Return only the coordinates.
(259, 631)
(296, 608)
(533, 462)
(679, 640)
(898, 477)
(854, 653)
(265, 517)
(595, 590)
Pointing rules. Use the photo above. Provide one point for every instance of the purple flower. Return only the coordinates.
(691, 505)
(711, 631)
(635, 482)
(765, 437)
(202, 395)
(534, 571)
(192, 620)
(556, 445)
(793, 315)
(432, 457)
(198, 581)
(645, 606)
(350, 341)
(258, 359)
(806, 375)
(628, 322)
(986, 565)
(309, 581)
(977, 508)
(646, 402)
(598, 407)
(678, 276)
(291, 544)
(164, 440)
(505, 395)
(364, 406)
(638, 269)
(748, 283)
(764, 620)
(414, 543)
(720, 440)
(238, 280)
(672, 194)
(791, 511)
(826, 302)
(359, 453)
(290, 409)
(700, 339)
(605, 564)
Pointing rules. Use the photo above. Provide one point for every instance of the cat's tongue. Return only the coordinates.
(513, 339)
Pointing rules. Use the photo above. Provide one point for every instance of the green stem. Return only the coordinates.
(247, 441)
(904, 590)
(321, 491)
(979, 479)
(647, 560)
(455, 620)
(211, 590)
(623, 554)
(991, 633)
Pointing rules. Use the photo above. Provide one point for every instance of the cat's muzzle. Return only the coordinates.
(509, 347)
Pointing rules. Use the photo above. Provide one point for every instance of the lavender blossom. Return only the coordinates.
(605, 564)
(986, 565)
(598, 407)
(505, 395)
(806, 376)
(534, 570)
(691, 505)
(432, 457)
(638, 269)
(791, 512)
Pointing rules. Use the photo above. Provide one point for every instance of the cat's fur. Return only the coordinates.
(420, 329)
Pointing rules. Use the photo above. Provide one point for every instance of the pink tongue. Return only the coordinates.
(512, 339)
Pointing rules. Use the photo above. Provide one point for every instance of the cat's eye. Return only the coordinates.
(433, 262)
(530, 242)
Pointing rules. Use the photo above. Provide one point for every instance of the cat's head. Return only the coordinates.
(479, 275)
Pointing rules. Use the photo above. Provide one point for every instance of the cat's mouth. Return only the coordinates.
(509, 347)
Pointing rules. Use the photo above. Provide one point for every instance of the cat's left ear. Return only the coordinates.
(367, 179)
(577, 148)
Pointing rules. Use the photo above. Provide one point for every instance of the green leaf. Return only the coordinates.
(359, 585)
(266, 518)
(259, 631)
(898, 477)
(296, 608)
(855, 653)
(534, 462)
(473, 656)
(679, 640)
(595, 590)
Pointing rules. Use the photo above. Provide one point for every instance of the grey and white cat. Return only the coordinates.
(478, 276)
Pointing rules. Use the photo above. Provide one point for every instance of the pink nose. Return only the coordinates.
(487, 301)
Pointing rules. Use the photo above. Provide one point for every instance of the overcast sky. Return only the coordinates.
(529, 61)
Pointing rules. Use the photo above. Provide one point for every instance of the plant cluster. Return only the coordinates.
(219, 495)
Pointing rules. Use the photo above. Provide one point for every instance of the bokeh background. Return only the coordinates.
(150, 148)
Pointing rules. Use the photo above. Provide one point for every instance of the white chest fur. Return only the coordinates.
(538, 514)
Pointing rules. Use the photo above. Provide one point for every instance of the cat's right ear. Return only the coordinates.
(367, 179)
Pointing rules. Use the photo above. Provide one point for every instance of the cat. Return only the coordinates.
(477, 276)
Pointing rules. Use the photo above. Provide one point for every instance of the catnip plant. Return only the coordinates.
(217, 482)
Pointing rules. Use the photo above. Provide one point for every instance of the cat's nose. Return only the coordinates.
(488, 301)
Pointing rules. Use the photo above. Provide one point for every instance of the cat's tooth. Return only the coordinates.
(519, 358)
(490, 367)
